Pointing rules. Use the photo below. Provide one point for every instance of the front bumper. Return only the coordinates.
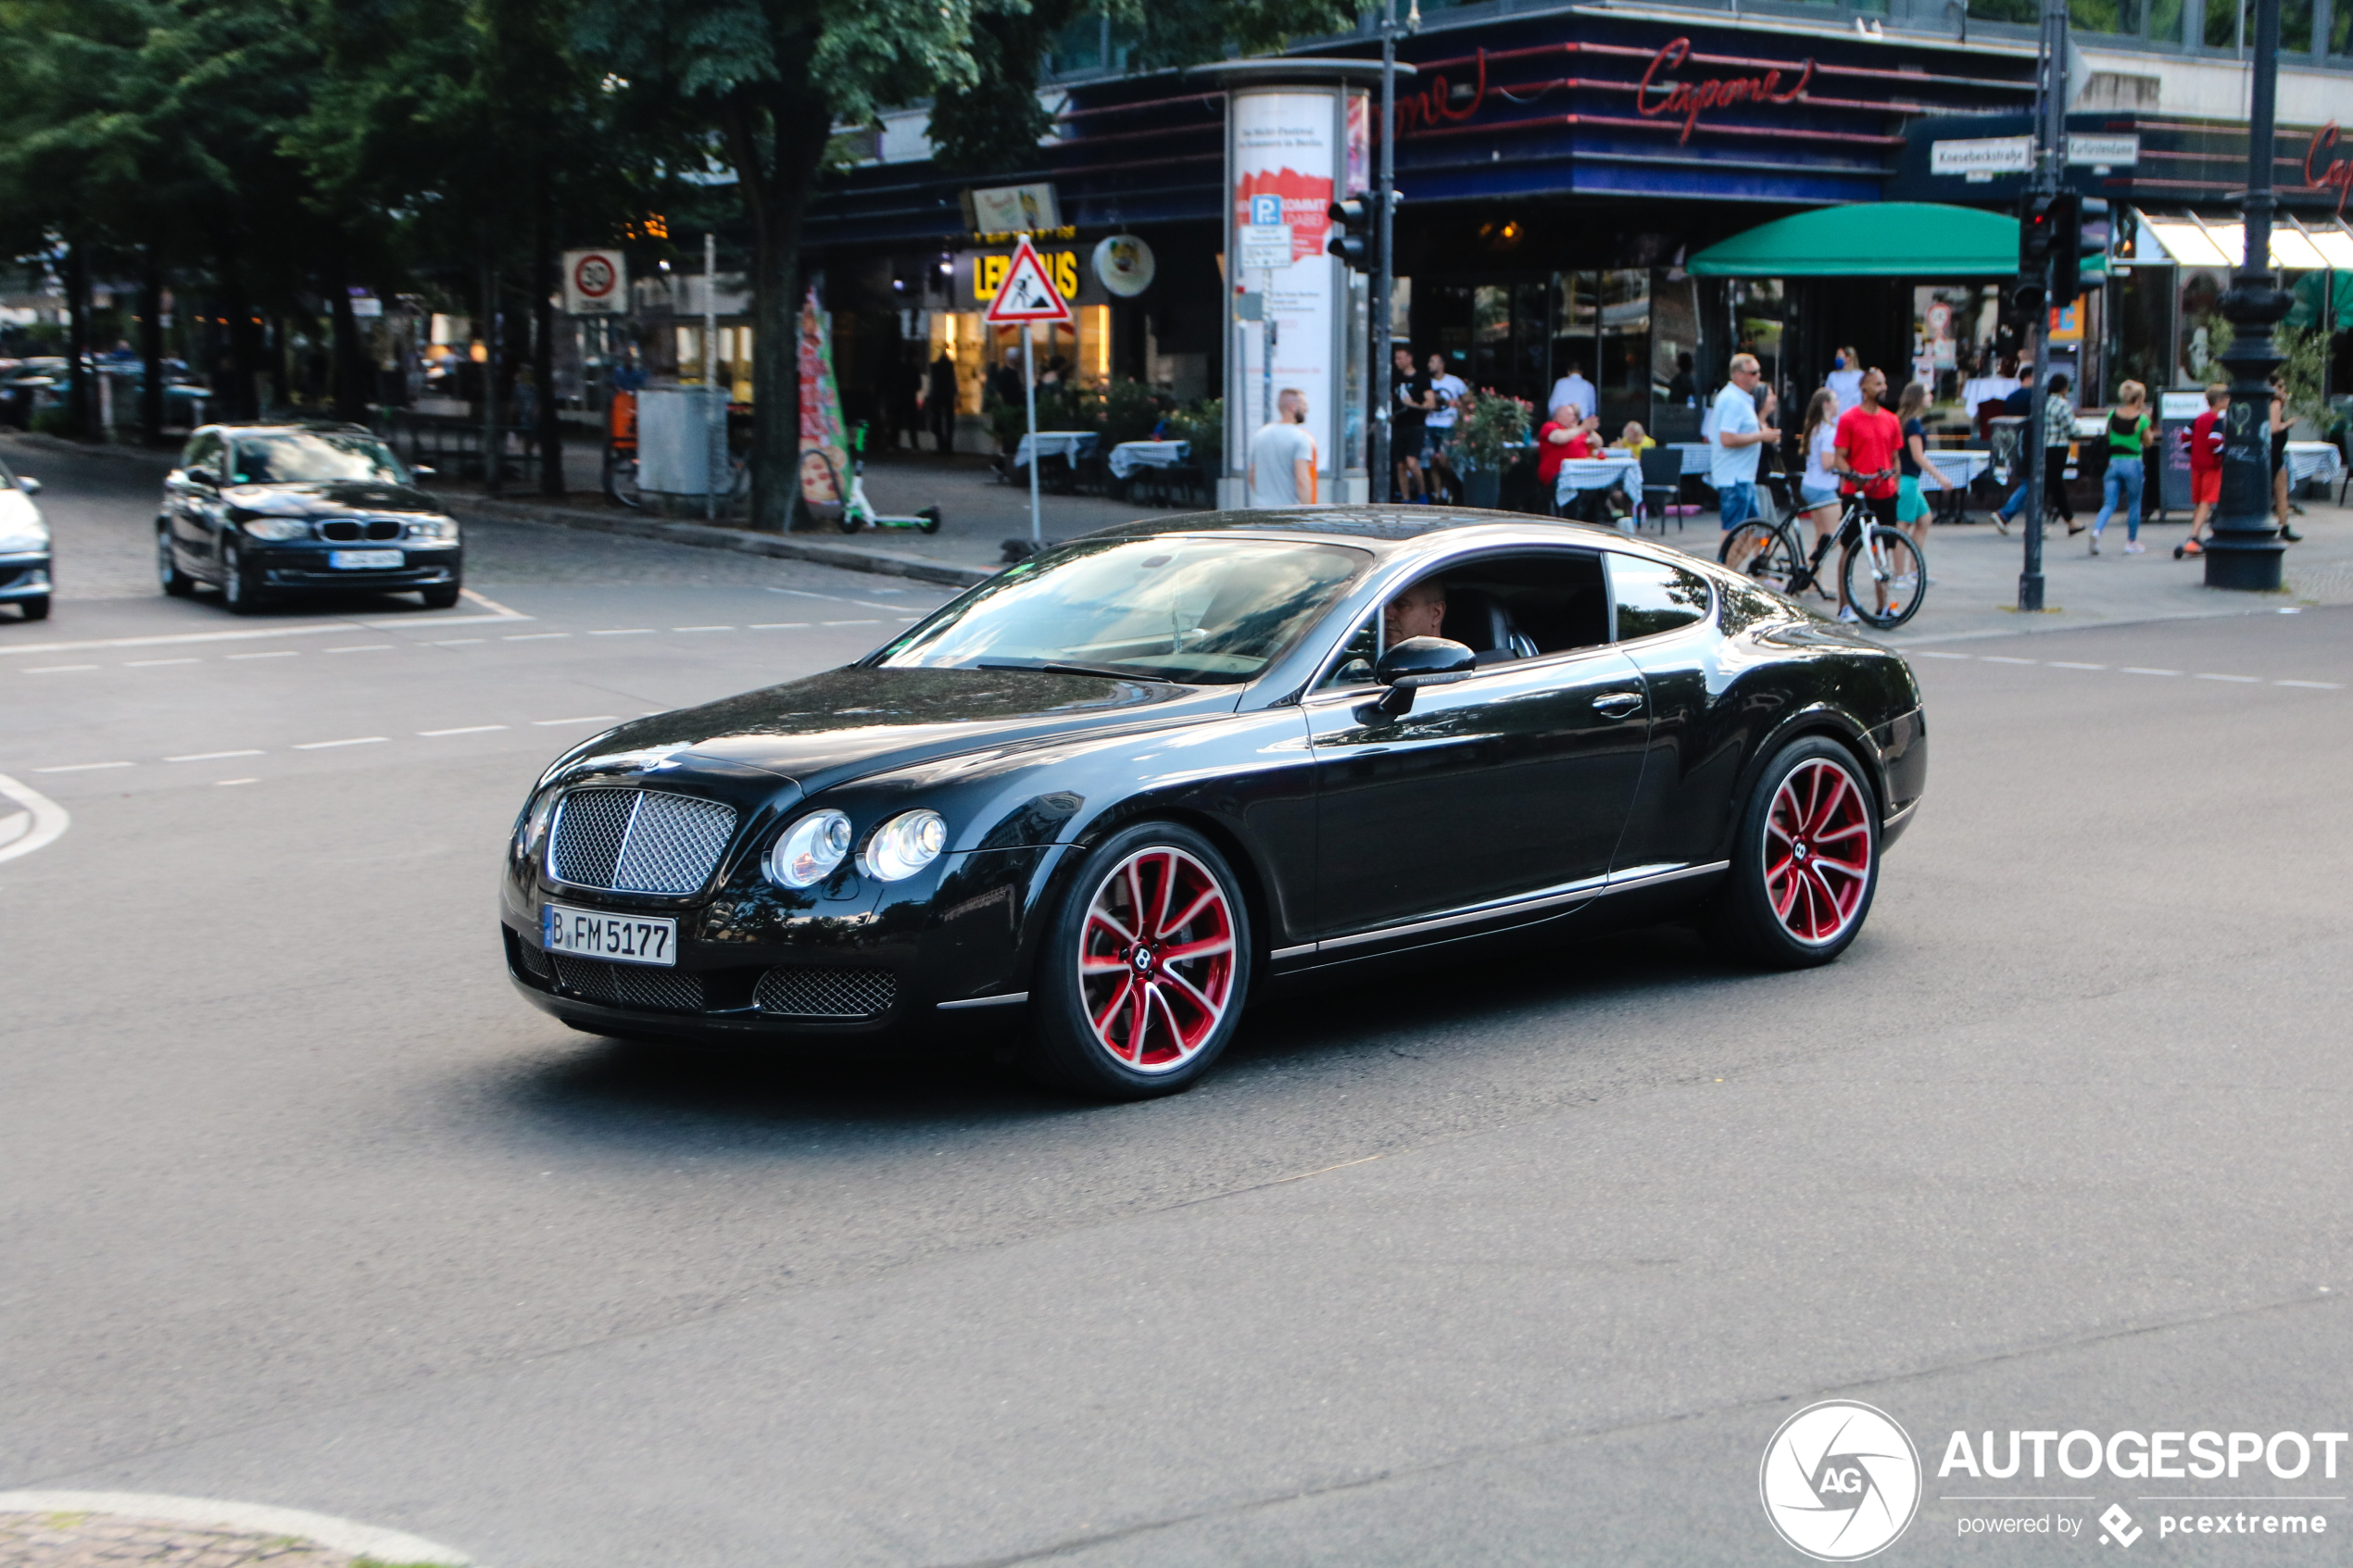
(24, 576)
(310, 566)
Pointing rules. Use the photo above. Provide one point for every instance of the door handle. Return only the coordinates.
(1617, 705)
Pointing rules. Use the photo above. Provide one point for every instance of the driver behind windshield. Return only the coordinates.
(1419, 611)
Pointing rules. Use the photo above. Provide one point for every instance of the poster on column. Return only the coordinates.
(1284, 165)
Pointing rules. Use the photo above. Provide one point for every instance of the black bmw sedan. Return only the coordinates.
(272, 511)
(1092, 803)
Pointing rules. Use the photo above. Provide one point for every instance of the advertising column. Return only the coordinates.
(1288, 157)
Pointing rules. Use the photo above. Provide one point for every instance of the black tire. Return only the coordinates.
(1765, 555)
(174, 581)
(236, 589)
(1181, 1037)
(441, 596)
(931, 519)
(621, 478)
(35, 610)
(1757, 917)
(1885, 604)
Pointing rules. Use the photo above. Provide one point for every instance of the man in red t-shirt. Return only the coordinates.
(1866, 440)
(1553, 441)
(2206, 468)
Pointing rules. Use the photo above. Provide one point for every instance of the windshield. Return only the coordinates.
(1204, 610)
(296, 456)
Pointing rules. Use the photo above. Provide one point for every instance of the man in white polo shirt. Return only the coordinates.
(1282, 456)
(1738, 440)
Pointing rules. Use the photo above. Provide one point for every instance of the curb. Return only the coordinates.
(337, 1534)
(156, 457)
(708, 536)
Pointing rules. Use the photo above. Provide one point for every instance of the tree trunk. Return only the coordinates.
(544, 265)
(151, 351)
(350, 359)
(798, 124)
(81, 418)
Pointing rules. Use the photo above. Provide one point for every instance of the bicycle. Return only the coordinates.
(1887, 561)
(621, 450)
(820, 487)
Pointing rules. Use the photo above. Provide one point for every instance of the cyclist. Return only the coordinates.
(1864, 453)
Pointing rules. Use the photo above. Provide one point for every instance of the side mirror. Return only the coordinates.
(418, 470)
(1417, 662)
(29, 485)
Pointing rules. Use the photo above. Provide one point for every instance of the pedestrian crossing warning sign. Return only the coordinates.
(1027, 294)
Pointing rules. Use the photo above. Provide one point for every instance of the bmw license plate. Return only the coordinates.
(593, 934)
(365, 560)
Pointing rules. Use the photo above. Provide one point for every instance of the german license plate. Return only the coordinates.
(595, 934)
(364, 560)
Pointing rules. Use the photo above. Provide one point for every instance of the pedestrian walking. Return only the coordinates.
(2280, 424)
(2206, 469)
(1575, 391)
(940, 402)
(1740, 435)
(1864, 455)
(1845, 379)
(1912, 509)
(2058, 437)
(1446, 391)
(1282, 456)
(2129, 435)
(2017, 405)
(1407, 420)
(1818, 486)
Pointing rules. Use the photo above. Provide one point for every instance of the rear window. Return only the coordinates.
(1653, 596)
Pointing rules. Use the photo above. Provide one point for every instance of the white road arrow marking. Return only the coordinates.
(39, 824)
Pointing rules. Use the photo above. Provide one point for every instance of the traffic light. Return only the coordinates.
(1354, 241)
(2048, 227)
(2095, 227)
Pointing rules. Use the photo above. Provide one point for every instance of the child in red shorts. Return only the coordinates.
(2206, 468)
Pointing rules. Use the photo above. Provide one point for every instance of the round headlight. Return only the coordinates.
(533, 823)
(278, 528)
(906, 844)
(810, 849)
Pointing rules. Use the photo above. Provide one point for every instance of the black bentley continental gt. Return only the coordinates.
(1094, 801)
(273, 511)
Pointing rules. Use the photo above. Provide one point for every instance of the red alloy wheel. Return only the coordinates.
(1156, 960)
(1818, 851)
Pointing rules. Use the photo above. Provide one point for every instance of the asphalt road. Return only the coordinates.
(1516, 1260)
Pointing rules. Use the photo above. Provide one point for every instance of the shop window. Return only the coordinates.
(2232, 26)
(1622, 363)
(2341, 30)
(1674, 344)
(2204, 332)
(2105, 16)
(2165, 22)
(2021, 12)
(2296, 27)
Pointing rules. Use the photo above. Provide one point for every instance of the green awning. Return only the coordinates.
(1870, 240)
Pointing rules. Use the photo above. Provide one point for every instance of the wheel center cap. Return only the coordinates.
(1142, 959)
(1801, 851)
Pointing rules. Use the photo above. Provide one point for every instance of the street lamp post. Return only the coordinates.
(2050, 165)
(1384, 259)
(2245, 550)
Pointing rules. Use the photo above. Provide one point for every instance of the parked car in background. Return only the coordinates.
(25, 571)
(264, 511)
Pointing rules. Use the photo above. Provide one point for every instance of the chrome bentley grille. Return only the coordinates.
(637, 840)
(809, 992)
(629, 985)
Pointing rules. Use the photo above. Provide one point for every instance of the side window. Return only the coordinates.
(203, 448)
(1653, 596)
(1524, 604)
(1357, 657)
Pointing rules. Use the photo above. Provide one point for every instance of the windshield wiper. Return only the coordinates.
(1058, 667)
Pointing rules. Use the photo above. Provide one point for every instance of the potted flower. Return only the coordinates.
(1490, 429)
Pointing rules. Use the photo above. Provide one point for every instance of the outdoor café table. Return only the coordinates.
(1068, 444)
(2313, 460)
(1129, 455)
(1961, 464)
(1598, 473)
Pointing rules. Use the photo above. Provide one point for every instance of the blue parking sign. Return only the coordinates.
(1266, 211)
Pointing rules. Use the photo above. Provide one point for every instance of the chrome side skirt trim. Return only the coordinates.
(1007, 1000)
(1595, 888)
(1627, 882)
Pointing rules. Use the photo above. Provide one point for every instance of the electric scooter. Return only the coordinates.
(857, 512)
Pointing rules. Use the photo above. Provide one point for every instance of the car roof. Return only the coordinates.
(1388, 530)
(334, 427)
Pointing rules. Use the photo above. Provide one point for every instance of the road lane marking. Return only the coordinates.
(356, 740)
(531, 636)
(210, 756)
(40, 821)
(57, 669)
(2071, 664)
(492, 605)
(1932, 653)
(455, 643)
(584, 718)
(624, 632)
(2313, 685)
(2144, 670)
(362, 648)
(82, 766)
(850, 623)
(2005, 658)
(702, 627)
(151, 663)
(756, 626)
(224, 783)
(308, 629)
(464, 730)
(2243, 680)
(281, 653)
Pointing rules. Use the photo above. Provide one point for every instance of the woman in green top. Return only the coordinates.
(2129, 435)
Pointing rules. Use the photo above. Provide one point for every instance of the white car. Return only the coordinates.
(24, 547)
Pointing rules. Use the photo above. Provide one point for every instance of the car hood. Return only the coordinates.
(847, 722)
(329, 497)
